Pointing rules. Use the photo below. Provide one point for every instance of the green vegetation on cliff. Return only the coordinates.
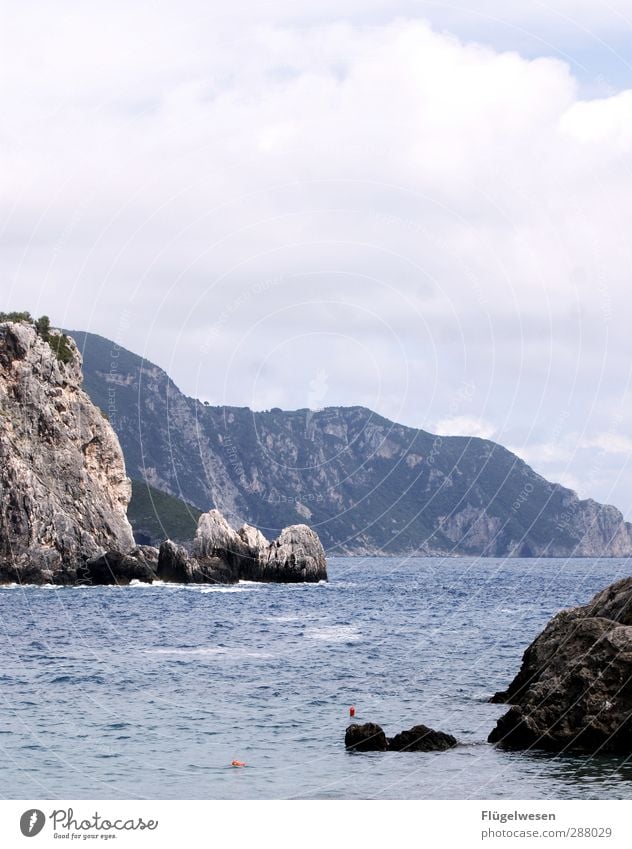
(156, 516)
(58, 341)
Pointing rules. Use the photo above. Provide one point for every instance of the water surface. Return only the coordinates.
(152, 691)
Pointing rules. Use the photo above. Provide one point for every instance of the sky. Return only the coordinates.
(420, 207)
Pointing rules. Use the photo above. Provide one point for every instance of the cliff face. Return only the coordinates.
(365, 484)
(63, 487)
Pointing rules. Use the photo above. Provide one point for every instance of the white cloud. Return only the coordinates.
(465, 426)
(611, 443)
(431, 212)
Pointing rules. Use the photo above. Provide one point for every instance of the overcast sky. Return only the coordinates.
(421, 207)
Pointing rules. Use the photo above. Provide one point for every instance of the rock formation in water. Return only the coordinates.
(113, 567)
(420, 738)
(63, 487)
(574, 689)
(176, 565)
(296, 556)
(370, 737)
(221, 554)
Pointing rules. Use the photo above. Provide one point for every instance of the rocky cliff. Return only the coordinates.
(63, 487)
(365, 484)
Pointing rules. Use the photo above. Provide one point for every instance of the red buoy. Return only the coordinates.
(352, 711)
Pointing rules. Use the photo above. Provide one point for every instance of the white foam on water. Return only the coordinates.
(212, 651)
(334, 634)
(136, 583)
(284, 619)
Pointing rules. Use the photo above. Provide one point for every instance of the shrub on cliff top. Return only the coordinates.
(59, 342)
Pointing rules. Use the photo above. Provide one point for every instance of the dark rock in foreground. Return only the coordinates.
(371, 738)
(574, 689)
(420, 738)
(366, 738)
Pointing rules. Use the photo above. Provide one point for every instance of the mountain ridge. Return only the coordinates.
(365, 484)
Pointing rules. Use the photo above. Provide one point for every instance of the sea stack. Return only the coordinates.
(296, 556)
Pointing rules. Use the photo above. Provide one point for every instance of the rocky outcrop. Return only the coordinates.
(176, 565)
(420, 738)
(63, 487)
(297, 556)
(370, 737)
(215, 540)
(223, 555)
(116, 568)
(574, 689)
(366, 738)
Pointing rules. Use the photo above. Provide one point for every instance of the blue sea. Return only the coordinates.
(152, 691)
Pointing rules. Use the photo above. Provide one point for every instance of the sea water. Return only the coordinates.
(151, 691)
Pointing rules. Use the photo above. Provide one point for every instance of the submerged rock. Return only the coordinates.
(63, 488)
(420, 738)
(574, 689)
(366, 738)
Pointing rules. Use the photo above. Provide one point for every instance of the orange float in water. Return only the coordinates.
(352, 711)
(238, 763)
